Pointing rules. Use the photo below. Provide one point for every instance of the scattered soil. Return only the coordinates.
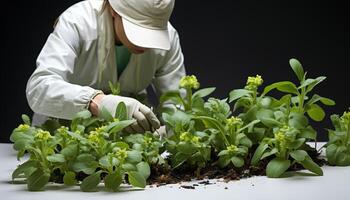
(161, 176)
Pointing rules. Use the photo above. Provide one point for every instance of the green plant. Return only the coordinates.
(338, 146)
(202, 133)
(92, 147)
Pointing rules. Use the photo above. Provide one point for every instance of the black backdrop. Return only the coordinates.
(223, 43)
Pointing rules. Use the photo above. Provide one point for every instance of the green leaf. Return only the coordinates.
(129, 167)
(134, 156)
(112, 181)
(69, 178)
(331, 153)
(173, 95)
(259, 152)
(115, 88)
(223, 153)
(297, 120)
(121, 112)
(269, 153)
(327, 101)
(315, 98)
(308, 133)
(316, 82)
(203, 92)
(116, 127)
(179, 159)
(238, 93)
(298, 155)
(24, 143)
(59, 158)
(224, 161)
(186, 148)
(136, 179)
(85, 163)
(296, 143)
(105, 114)
(309, 164)
(316, 112)
(89, 184)
(237, 161)
(297, 68)
(70, 151)
(37, 180)
(26, 119)
(276, 167)
(104, 162)
(144, 169)
(21, 169)
(283, 86)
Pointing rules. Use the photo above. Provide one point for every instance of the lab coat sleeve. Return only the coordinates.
(172, 67)
(48, 89)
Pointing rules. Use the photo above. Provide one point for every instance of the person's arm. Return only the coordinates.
(172, 67)
(48, 90)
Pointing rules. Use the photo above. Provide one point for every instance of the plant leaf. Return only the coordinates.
(136, 179)
(112, 181)
(37, 180)
(283, 86)
(316, 112)
(276, 167)
(298, 155)
(309, 164)
(26, 119)
(203, 92)
(259, 152)
(121, 112)
(21, 169)
(297, 68)
(70, 150)
(105, 114)
(238, 93)
(144, 169)
(116, 127)
(90, 183)
(58, 158)
(237, 161)
(69, 178)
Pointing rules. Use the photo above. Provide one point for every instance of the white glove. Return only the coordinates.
(146, 120)
(161, 132)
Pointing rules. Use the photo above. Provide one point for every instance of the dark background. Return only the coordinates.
(223, 43)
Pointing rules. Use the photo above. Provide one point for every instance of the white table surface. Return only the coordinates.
(334, 184)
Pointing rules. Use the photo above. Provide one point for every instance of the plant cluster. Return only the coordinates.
(202, 131)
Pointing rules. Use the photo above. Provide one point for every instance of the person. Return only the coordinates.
(96, 41)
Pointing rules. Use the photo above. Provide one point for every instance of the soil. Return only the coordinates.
(161, 176)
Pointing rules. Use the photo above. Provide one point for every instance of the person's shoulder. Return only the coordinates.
(173, 34)
(86, 10)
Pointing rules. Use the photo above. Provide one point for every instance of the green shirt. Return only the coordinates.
(123, 56)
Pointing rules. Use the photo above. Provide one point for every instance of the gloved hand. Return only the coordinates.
(146, 120)
(161, 132)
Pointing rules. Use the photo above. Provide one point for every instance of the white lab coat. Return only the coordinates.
(78, 58)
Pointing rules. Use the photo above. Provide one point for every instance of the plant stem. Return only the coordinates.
(188, 106)
(301, 100)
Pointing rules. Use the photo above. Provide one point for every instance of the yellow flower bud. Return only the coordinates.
(232, 148)
(189, 82)
(23, 127)
(121, 154)
(234, 121)
(42, 135)
(254, 82)
(346, 117)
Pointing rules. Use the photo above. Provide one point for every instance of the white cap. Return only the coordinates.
(145, 21)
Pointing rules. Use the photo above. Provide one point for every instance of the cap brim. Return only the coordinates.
(148, 38)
